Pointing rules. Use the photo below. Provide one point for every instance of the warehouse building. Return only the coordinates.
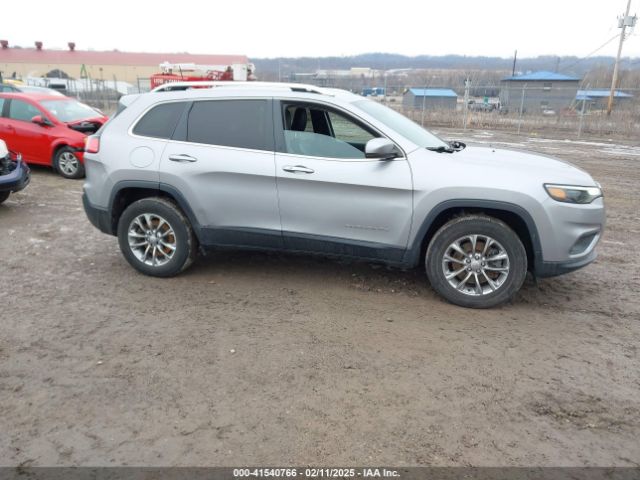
(430, 99)
(538, 91)
(123, 66)
(599, 98)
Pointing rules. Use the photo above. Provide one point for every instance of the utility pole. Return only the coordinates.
(513, 70)
(624, 22)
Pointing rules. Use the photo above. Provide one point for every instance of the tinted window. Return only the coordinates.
(19, 110)
(1, 106)
(160, 121)
(231, 123)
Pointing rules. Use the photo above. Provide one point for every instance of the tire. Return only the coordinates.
(491, 279)
(67, 163)
(4, 196)
(173, 249)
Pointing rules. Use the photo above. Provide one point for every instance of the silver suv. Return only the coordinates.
(304, 169)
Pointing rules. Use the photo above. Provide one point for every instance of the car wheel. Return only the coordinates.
(67, 163)
(156, 238)
(476, 261)
(4, 196)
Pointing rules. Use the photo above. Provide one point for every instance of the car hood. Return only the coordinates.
(517, 162)
(87, 126)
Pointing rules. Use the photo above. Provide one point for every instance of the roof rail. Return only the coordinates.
(294, 87)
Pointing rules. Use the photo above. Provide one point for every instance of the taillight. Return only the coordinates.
(92, 144)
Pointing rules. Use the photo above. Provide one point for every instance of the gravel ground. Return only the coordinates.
(275, 359)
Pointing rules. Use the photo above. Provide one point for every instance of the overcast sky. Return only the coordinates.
(323, 27)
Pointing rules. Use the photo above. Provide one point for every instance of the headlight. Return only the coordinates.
(572, 193)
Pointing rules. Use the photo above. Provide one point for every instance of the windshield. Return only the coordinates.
(401, 124)
(69, 110)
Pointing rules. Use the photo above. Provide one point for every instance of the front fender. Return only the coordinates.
(432, 207)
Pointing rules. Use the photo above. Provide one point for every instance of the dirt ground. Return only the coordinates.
(273, 359)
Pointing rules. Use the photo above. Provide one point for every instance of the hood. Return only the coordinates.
(87, 126)
(517, 162)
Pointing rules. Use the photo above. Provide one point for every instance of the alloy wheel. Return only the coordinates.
(68, 163)
(476, 265)
(152, 239)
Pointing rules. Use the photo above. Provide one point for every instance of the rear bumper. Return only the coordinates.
(99, 218)
(16, 180)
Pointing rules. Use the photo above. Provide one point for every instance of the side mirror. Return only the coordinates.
(381, 148)
(40, 120)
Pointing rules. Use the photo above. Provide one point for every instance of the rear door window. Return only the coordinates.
(160, 121)
(232, 123)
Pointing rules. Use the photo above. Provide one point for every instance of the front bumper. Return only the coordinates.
(553, 269)
(99, 218)
(570, 239)
(17, 179)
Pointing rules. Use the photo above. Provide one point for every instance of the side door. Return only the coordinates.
(221, 159)
(24, 136)
(333, 199)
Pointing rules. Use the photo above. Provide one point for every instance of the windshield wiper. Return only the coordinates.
(441, 149)
(454, 146)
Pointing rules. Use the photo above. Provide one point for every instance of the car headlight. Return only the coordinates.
(573, 193)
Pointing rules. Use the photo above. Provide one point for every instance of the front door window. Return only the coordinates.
(315, 131)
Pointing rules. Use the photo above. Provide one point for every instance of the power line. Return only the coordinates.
(594, 51)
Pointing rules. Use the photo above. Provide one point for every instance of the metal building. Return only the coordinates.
(538, 92)
(597, 99)
(430, 98)
(126, 66)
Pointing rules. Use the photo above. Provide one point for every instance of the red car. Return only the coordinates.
(48, 129)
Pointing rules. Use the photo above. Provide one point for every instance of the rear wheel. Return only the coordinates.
(4, 196)
(476, 261)
(156, 238)
(67, 163)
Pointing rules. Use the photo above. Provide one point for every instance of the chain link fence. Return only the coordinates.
(527, 108)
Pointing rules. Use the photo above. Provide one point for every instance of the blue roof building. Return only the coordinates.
(538, 92)
(542, 76)
(433, 92)
(430, 98)
(600, 93)
(597, 99)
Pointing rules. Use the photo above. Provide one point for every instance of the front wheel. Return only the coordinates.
(67, 163)
(4, 195)
(156, 238)
(476, 261)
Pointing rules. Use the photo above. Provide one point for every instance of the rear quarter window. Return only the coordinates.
(160, 121)
(231, 123)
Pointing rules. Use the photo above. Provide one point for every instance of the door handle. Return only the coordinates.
(297, 169)
(181, 157)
